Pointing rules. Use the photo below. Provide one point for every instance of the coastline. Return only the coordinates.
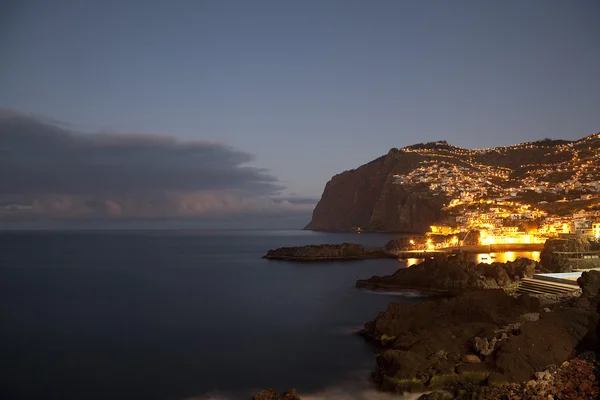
(474, 329)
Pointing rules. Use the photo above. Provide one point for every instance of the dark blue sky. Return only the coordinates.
(310, 88)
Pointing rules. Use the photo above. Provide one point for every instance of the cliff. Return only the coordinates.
(366, 197)
(431, 174)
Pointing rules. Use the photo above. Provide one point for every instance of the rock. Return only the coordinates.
(575, 380)
(553, 262)
(530, 317)
(485, 347)
(325, 252)
(470, 358)
(426, 329)
(428, 337)
(437, 395)
(546, 309)
(505, 274)
(589, 281)
(543, 376)
(270, 394)
(452, 274)
(440, 355)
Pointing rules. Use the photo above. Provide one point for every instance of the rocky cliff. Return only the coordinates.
(366, 197)
(431, 174)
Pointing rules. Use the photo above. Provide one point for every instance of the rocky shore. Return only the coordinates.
(453, 274)
(485, 338)
(480, 340)
(327, 252)
(487, 344)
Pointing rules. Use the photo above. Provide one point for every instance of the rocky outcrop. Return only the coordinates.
(367, 198)
(573, 379)
(553, 262)
(484, 337)
(509, 273)
(422, 346)
(452, 274)
(270, 394)
(326, 252)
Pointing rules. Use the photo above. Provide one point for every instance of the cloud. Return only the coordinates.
(49, 171)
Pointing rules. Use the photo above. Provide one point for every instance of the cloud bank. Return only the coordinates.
(48, 171)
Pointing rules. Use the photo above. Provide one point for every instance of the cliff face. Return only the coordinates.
(367, 198)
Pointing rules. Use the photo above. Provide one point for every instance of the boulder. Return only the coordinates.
(470, 358)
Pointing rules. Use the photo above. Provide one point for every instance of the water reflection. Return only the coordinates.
(489, 258)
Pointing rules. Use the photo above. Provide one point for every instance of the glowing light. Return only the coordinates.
(413, 261)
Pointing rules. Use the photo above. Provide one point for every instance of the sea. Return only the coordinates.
(184, 315)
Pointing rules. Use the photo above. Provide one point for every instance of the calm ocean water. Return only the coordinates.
(180, 314)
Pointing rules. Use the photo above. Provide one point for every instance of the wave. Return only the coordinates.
(334, 393)
(349, 394)
(356, 386)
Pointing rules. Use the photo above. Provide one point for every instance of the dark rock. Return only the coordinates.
(270, 394)
(424, 331)
(430, 339)
(325, 252)
(453, 274)
(555, 337)
(553, 262)
(484, 346)
(437, 395)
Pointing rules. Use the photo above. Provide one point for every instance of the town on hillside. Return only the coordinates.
(524, 193)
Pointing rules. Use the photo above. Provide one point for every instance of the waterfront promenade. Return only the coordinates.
(475, 249)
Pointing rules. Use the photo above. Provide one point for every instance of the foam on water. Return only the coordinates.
(333, 393)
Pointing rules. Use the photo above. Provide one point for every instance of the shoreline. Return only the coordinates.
(388, 287)
(475, 333)
(339, 252)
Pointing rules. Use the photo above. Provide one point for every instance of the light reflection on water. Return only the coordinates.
(489, 258)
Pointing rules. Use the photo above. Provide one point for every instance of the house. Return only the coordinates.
(596, 229)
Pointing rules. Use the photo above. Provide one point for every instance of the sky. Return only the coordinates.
(214, 108)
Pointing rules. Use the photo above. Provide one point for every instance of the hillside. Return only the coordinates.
(410, 189)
